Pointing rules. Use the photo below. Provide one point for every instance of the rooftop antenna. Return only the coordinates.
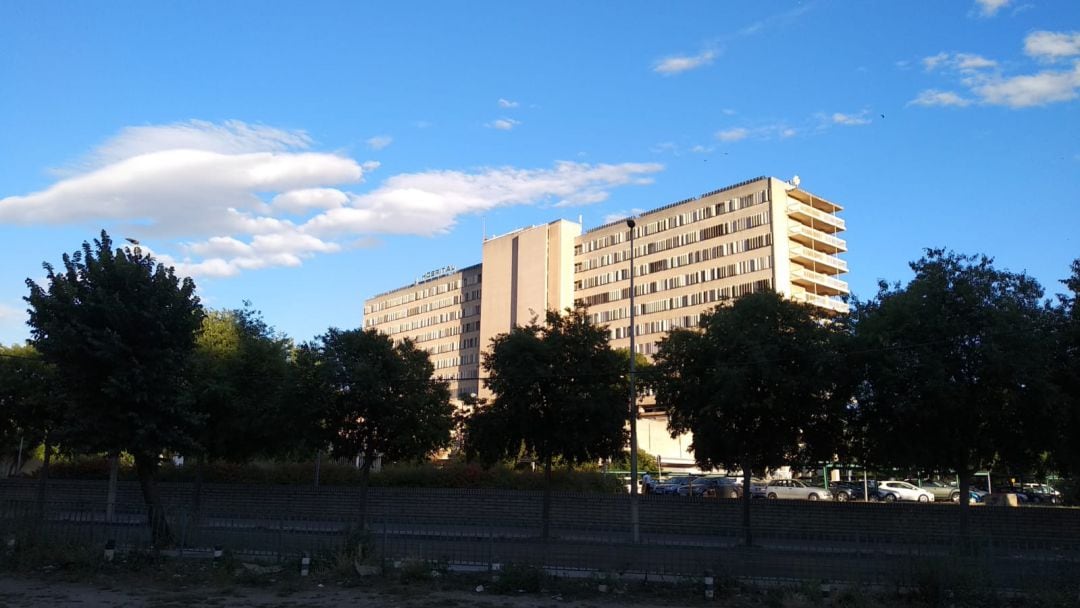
(579, 220)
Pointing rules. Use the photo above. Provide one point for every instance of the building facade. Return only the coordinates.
(688, 256)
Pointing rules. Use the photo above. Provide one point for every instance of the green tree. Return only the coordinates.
(760, 383)
(956, 368)
(119, 329)
(375, 399)
(29, 402)
(239, 373)
(559, 393)
(1066, 449)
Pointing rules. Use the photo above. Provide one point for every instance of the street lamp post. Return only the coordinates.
(634, 515)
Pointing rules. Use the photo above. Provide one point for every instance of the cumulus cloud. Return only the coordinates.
(850, 120)
(682, 63)
(1034, 90)
(507, 103)
(933, 97)
(429, 203)
(987, 84)
(504, 124)
(379, 142)
(734, 134)
(989, 8)
(961, 62)
(1051, 46)
(230, 197)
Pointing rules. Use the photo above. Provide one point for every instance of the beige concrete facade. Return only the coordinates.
(689, 256)
(441, 313)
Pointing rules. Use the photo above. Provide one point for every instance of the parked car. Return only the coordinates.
(940, 490)
(893, 491)
(720, 486)
(793, 488)
(671, 485)
(1042, 493)
(844, 491)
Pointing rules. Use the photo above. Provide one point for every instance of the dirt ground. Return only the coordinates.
(16, 592)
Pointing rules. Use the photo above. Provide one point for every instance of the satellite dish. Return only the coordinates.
(795, 181)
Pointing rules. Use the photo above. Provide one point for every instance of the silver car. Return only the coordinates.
(793, 488)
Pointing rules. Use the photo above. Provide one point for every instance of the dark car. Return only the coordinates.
(719, 486)
(844, 491)
(671, 485)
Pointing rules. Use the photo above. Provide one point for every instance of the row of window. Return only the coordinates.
(681, 240)
(674, 221)
(420, 294)
(725, 249)
(464, 359)
(705, 297)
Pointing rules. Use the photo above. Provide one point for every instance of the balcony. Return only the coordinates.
(817, 282)
(816, 239)
(826, 222)
(815, 260)
(821, 301)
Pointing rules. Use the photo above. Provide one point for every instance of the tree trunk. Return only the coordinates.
(748, 537)
(965, 505)
(160, 534)
(110, 495)
(545, 511)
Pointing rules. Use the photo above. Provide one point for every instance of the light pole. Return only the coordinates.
(634, 516)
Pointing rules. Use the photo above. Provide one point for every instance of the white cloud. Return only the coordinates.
(850, 120)
(1033, 90)
(429, 203)
(1051, 46)
(700, 149)
(219, 205)
(379, 142)
(989, 8)
(933, 97)
(506, 103)
(504, 124)
(682, 63)
(302, 201)
(666, 147)
(731, 135)
(788, 132)
(966, 63)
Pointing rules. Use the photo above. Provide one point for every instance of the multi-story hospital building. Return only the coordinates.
(688, 256)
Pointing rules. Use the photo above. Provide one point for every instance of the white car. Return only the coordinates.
(793, 488)
(892, 491)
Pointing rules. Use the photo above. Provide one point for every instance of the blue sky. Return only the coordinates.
(307, 155)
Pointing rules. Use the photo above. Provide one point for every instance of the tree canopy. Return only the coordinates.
(956, 368)
(376, 398)
(240, 372)
(560, 392)
(30, 406)
(759, 383)
(119, 329)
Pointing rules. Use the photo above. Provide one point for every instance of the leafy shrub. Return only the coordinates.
(454, 474)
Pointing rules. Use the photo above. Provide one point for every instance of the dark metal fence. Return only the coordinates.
(866, 544)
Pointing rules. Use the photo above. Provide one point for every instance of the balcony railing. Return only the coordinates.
(822, 301)
(825, 221)
(833, 286)
(822, 262)
(817, 239)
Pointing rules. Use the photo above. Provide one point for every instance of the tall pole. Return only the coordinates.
(634, 516)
